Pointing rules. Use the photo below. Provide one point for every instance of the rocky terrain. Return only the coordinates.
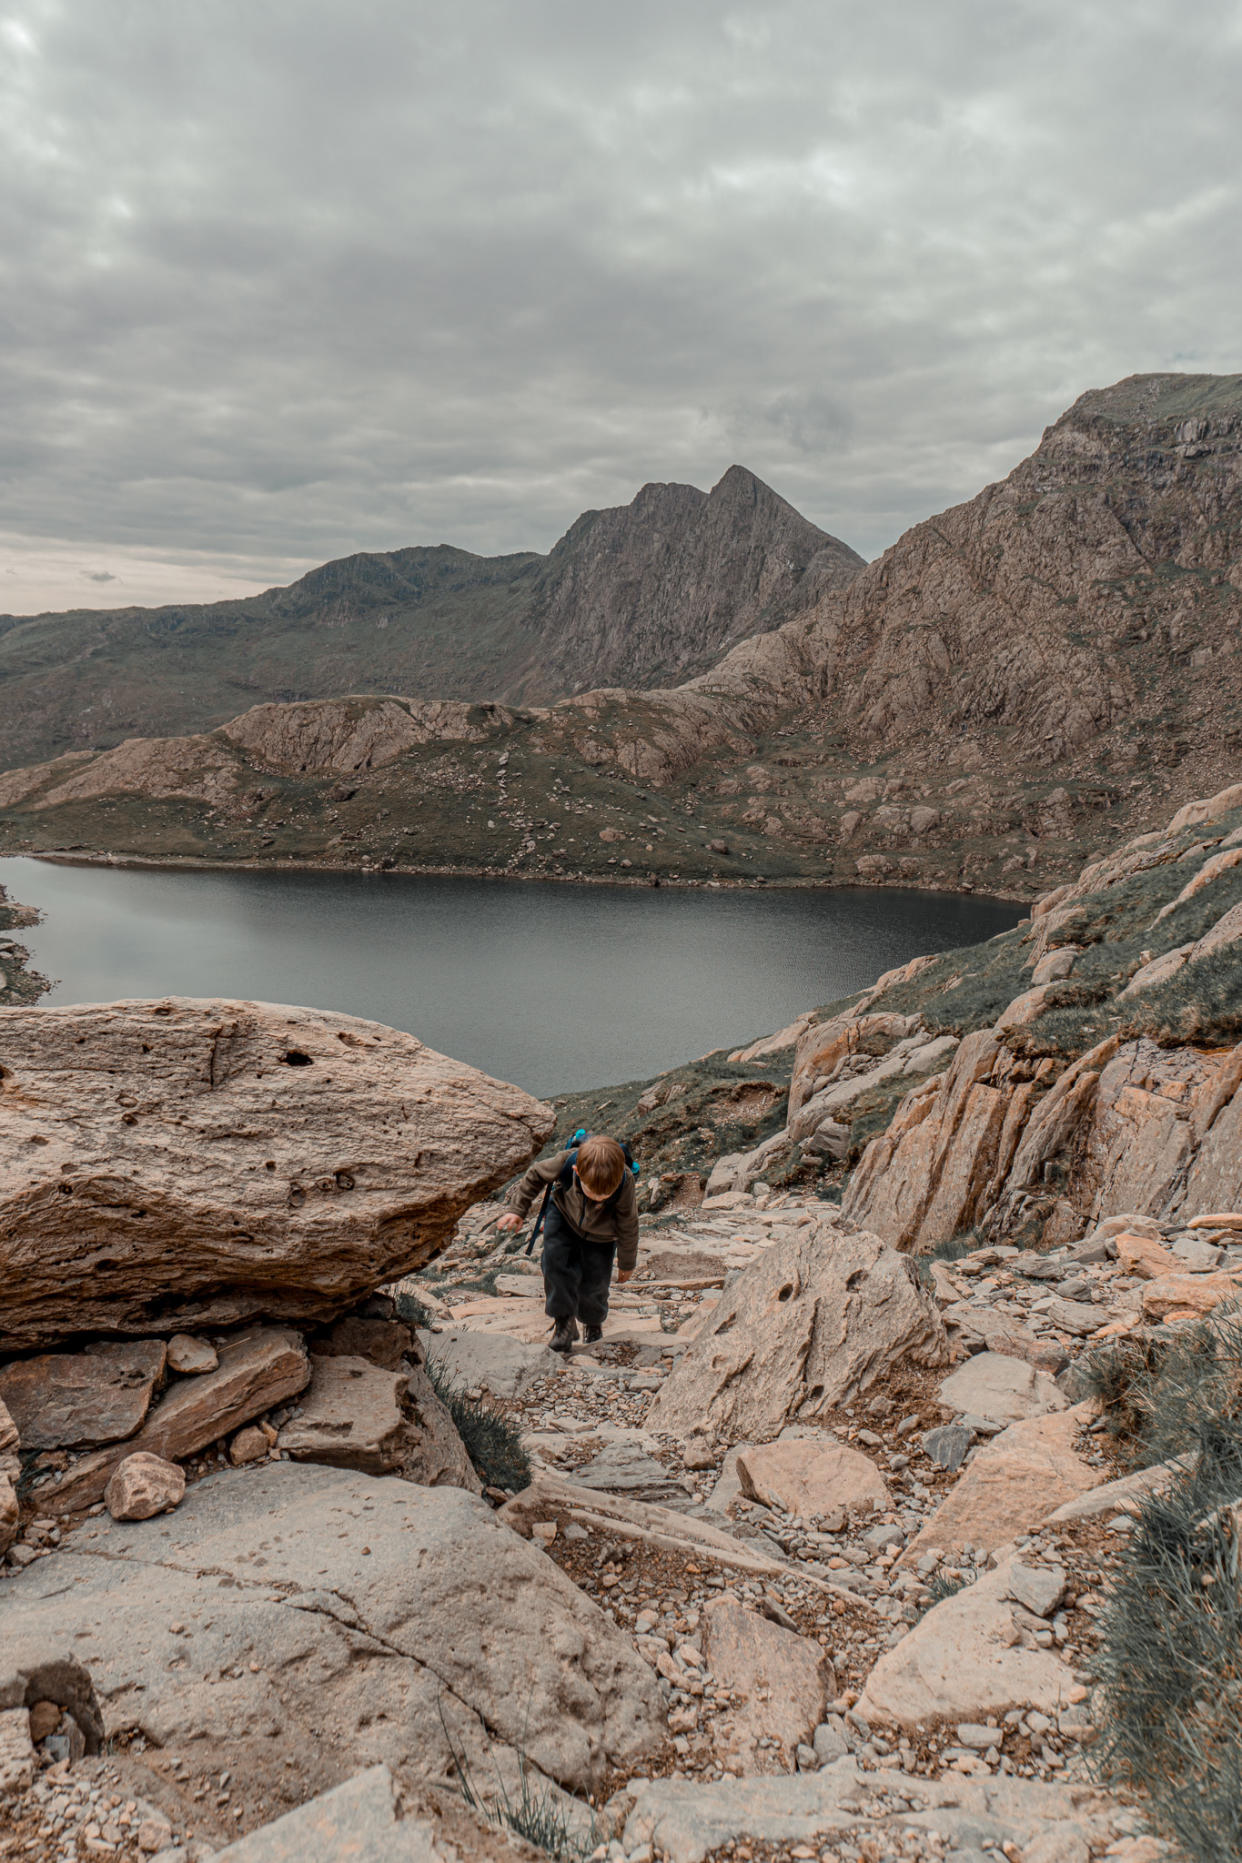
(18, 983)
(840, 1546)
(1016, 682)
(646, 594)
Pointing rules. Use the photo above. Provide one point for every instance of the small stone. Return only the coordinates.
(153, 1835)
(249, 1445)
(830, 1740)
(1038, 1588)
(974, 1735)
(544, 1531)
(44, 1720)
(190, 1356)
(144, 1485)
(947, 1445)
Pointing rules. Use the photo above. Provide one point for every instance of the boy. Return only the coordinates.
(592, 1216)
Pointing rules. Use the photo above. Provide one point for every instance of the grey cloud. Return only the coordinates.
(295, 279)
(98, 575)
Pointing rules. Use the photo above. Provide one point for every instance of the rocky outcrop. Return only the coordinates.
(368, 1619)
(648, 592)
(185, 1163)
(1078, 1101)
(815, 1322)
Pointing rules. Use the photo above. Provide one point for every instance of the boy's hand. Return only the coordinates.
(508, 1221)
(624, 1274)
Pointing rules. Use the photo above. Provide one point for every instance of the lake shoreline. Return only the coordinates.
(658, 882)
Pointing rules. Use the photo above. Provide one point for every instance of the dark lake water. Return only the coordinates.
(554, 987)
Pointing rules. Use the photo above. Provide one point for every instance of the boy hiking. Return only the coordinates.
(592, 1216)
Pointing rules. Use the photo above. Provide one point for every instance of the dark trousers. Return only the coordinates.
(576, 1274)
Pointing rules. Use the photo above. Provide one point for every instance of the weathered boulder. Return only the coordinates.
(353, 1618)
(817, 1319)
(1012, 1484)
(963, 1662)
(259, 1368)
(143, 1486)
(1005, 1390)
(779, 1682)
(809, 1478)
(60, 1400)
(350, 1417)
(187, 1163)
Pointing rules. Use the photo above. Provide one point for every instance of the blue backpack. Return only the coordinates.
(565, 1177)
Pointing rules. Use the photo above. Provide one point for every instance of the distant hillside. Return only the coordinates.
(1057, 661)
(647, 594)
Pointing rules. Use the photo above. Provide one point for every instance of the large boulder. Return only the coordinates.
(352, 1619)
(817, 1319)
(179, 1164)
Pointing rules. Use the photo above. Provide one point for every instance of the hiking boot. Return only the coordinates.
(592, 1334)
(563, 1336)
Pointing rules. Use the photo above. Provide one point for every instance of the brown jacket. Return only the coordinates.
(615, 1221)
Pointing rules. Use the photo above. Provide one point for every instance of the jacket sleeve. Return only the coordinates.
(544, 1171)
(627, 1225)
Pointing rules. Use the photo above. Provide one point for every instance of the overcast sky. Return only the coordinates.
(282, 279)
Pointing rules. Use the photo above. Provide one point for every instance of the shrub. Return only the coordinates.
(1170, 1662)
(411, 1309)
(493, 1444)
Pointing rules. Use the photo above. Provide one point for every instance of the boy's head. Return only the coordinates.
(600, 1167)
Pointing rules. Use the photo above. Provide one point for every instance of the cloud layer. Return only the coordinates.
(288, 279)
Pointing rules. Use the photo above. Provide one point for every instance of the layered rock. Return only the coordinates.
(180, 1163)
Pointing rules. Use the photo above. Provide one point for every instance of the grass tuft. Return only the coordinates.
(1170, 1662)
(493, 1444)
(540, 1814)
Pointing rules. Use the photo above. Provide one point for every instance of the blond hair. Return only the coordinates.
(601, 1166)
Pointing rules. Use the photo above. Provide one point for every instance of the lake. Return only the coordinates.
(554, 987)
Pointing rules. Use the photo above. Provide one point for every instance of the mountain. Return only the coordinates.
(650, 592)
(1052, 663)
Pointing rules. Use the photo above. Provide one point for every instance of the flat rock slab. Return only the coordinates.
(1174, 1296)
(962, 1662)
(351, 1417)
(259, 1368)
(1005, 1390)
(814, 1321)
(343, 1612)
(685, 1820)
(369, 1819)
(491, 1362)
(779, 1682)
(626, 1469)
(810, 1477)
(62, 1400)
(1012, 1485)
(171, 1165)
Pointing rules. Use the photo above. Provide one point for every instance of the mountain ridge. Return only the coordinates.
(1054, 660)
(654, 590)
